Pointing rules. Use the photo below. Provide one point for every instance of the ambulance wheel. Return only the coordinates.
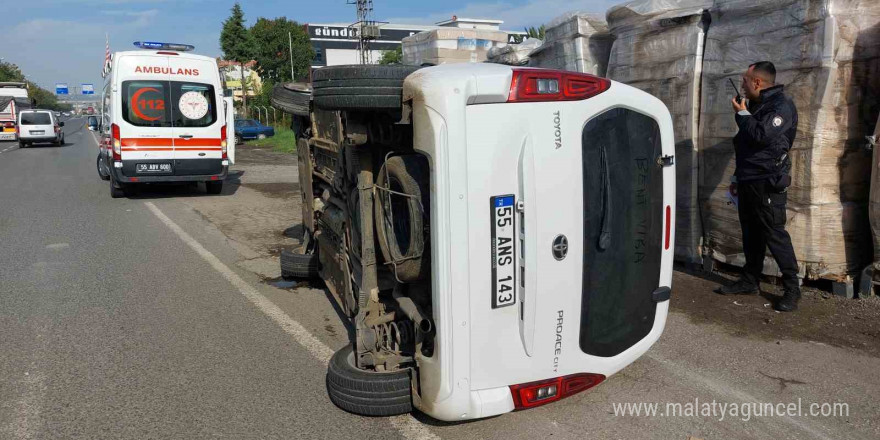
(214, 187)
(103, 174)
(360, 87)
(400, 221)
(117, 191)
(367, 393)
(297, 264)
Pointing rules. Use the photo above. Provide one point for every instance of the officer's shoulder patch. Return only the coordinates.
(777, 121)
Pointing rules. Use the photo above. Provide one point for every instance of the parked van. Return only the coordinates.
(163, 119)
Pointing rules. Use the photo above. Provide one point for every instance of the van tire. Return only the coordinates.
(117, 192)
(367, 393)
(293, 98)
(296, 264)
(404, 239)
(214, 187)
(103, 174)
(360, 87)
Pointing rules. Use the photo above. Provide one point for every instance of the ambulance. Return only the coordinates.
(164, 119)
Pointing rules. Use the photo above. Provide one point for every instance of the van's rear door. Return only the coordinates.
(197, 116)
(145, 123)
(591, 248)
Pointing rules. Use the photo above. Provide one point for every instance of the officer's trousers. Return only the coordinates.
(762, 217)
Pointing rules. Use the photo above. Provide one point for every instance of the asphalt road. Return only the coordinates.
(132, 318)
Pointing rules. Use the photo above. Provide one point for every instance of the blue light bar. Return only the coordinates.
(164, 46)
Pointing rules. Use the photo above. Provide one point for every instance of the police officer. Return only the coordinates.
(767, 128)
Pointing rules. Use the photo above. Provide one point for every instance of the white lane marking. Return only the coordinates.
(293, 328)
(408, 426)
(733, 394)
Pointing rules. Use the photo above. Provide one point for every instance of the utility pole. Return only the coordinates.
(367, 29)
(290, 41)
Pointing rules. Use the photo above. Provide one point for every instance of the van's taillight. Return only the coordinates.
(530, 395)
(536, 85)
(223, 140)
(117, 142)
(668, 225)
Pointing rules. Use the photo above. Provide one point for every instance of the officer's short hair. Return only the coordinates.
(766, 70)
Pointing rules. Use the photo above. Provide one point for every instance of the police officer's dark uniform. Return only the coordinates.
(766, 133)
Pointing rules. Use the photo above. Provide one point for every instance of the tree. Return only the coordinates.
(237, 45)
(392, 56)
(532, 32)
(272, 39)
(41, 97)
(10, 72)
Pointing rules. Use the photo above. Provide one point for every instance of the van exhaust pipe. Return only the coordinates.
(412, 311)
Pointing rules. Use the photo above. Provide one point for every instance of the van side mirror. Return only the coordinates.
(61, 124)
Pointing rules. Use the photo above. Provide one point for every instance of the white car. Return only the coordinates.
(523, 229)
(36, 126)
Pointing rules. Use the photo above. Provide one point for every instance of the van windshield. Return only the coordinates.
(36, 118)
(168, 104)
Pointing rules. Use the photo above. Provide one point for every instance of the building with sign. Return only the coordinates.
(337, 44)
(230, 76)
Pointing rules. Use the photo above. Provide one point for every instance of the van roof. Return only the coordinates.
(153, 52)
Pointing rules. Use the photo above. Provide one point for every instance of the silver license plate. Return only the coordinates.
(37, 132)
(154, 167)
(503, 251)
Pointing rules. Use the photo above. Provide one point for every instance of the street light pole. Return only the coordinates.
(290, 42)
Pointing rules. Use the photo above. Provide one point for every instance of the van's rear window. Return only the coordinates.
(145, 103)
(168, 104)
(36, 118)
(193, 104)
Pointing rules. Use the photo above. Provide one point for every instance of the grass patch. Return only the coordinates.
(284, 141)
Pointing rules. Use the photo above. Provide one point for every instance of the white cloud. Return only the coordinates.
(532, 13)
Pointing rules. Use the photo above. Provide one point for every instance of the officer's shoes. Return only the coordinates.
(788, 302)
(741, 287)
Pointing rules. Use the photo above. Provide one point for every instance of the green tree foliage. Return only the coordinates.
(235, 40)
(10, 72)
(237, 44)
(392, 56)
(272, 46)
(534, 32)
(40, 96)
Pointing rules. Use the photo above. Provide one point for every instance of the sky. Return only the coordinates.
(56, 41)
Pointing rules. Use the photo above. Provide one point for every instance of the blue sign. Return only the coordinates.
(88, 89)
(61, 89)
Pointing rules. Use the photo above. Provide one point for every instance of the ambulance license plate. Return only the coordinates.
(154, 167)
(503, 251)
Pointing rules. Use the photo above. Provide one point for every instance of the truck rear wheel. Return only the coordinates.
(400, 220)
(367, 393)
(360, 87)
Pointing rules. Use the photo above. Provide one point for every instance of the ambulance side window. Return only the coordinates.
(145, 103)
(193, 104)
